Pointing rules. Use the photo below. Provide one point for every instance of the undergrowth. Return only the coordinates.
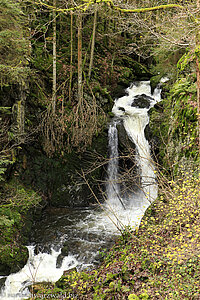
(15, 203)
(158, 260)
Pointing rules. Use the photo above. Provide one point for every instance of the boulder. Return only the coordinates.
(142, 101)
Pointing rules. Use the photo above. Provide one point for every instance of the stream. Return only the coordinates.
(67, 238)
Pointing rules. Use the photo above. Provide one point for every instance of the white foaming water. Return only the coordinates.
(135, 118)
(39, 268)
(112, 187)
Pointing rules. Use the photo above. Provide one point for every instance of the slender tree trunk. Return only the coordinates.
(71, 59)
(20, 112)
(54, 60)
(79, 58)
(93, 42)
(20, 118)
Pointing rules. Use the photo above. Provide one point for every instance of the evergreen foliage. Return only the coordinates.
(16, 202)
(13, 44)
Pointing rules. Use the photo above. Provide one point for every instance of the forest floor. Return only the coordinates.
(158, 260)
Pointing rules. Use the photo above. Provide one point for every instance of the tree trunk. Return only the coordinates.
(93, 42)
(54, 60)
(71, 59)
(20, 119)
(19, 109)
(79, 58)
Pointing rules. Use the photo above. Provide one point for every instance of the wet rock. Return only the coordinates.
(59, 260)
(65, 249)
(42, 249)
(62, 255)
(127, 151)
(59, 179)
(119, 91)
(4, 269)
(154, 81)
(2, 281)
(147, 133)
(142, 101)
(121, 108)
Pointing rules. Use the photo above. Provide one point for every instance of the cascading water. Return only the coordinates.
(40, 268)
(112, 186)
(86, 231)
(132, 110)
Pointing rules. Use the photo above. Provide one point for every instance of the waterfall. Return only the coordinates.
(112, 186)
(39, 268)
(93, 228)
(132, 109)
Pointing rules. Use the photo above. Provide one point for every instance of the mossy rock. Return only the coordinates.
(62, 283)
(65, 249)
(154, 81)
(2, 282)
(12, 258)
(142, 101)
(59, 179)
(15, 226)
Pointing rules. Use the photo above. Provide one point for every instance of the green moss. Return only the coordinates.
(174, 124)
(15, 215)
(155, 80)
(13, 257)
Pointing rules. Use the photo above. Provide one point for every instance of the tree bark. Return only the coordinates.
(20, 112)
(54, 59)
(79, 58)
(20, 118)
(71, 58)
(93, 42)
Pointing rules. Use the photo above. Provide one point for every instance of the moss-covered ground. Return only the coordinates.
(159, 260)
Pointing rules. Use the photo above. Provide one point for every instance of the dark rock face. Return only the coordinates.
(128, 168)
(142, 101)
(65, 249)
(61, 256)
(2, 281)
(59, 179)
